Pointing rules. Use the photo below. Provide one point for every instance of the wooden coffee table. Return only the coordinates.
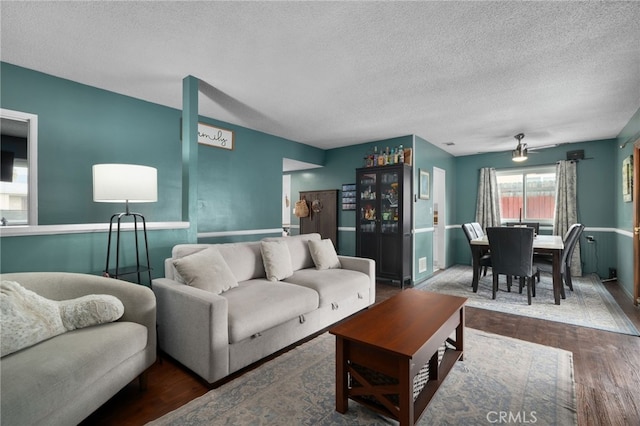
(380, 351)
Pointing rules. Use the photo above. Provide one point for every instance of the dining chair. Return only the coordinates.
(512, 255)
(570, 241)
(534, 225)
(480, 233)
(478, 228)
(485, 258)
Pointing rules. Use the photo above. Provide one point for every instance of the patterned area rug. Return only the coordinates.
(588, 305)
(500, 378)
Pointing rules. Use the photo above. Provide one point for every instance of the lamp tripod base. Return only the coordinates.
(139, 268)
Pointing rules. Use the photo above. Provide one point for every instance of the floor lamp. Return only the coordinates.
(125, 183)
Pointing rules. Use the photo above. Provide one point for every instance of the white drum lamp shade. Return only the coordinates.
(124, 183)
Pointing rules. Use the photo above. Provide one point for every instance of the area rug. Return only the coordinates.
(588, 305)
(500, 378)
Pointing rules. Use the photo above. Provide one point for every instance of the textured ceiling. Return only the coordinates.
(330, 74)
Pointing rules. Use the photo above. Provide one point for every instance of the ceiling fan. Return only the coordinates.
(520, 153)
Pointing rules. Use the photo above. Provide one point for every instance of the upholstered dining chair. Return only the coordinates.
(570, 240)
(485, 259)
(512, 255)
(534, 225)
(478, 228)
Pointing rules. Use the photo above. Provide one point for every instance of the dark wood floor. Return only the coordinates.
(606, 365)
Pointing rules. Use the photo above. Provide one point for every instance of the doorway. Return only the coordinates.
(286, 205)
(439, 219)
(636, 222)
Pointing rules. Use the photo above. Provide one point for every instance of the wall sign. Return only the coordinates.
(215, 136)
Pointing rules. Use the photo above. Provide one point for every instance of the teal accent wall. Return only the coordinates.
(190, 155)
(624, 210)
(241, 189)
(79, 126)
(81, 252)
(426, 157)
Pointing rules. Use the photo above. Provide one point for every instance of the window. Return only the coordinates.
(14, 196)
(528, 194)
(19, 159)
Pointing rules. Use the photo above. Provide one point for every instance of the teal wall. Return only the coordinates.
(624, 211)
(241, 189)
(80, 252)
(427, 156)
(81, 125)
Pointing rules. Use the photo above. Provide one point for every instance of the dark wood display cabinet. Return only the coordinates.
(323, 214)
(383, 220)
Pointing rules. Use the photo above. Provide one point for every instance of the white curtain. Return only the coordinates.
(488, 206)
(566, 207)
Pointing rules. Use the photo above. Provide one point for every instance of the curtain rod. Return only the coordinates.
(522, 167)
(577, 161)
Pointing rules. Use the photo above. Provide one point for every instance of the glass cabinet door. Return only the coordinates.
(389, 206)
(368, 213)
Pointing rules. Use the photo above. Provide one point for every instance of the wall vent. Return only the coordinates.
(422, 264)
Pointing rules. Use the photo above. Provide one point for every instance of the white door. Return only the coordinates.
(439, 219)
(286, 204)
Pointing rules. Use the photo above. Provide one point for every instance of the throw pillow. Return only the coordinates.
(206, 270)
(28, 318)
(324, 254)
(276, 259)
(89, 310)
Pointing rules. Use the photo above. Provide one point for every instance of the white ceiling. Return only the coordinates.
(331, 74)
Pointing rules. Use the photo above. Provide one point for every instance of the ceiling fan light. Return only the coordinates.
(519, 154)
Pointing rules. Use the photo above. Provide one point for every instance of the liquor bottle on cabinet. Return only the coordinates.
(383, 225)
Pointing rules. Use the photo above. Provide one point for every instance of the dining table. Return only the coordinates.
(549, 244)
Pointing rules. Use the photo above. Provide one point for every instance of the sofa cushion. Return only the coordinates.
(257, 305)
(28, 318)
(324, 254)
(244, 259)
(206, 270)
(333, 285)
(61, 369)
(299, 249)
(276, 259)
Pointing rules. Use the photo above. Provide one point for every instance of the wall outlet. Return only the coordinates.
(422, 264)
(590, 239)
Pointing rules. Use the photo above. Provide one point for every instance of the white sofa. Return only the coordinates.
(215, 335)
(62, 380)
